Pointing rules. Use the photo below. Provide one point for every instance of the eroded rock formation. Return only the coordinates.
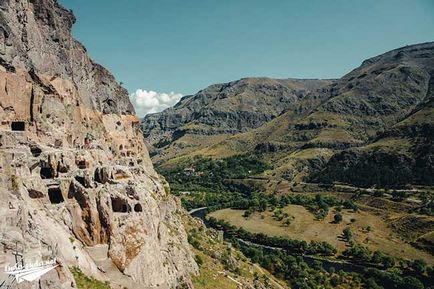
(76, 179)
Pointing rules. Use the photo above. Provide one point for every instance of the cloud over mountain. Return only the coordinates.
(148, 101)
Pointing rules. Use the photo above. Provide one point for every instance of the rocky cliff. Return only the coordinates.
(77, 183)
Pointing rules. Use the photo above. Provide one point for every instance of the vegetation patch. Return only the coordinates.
(210, 174)
(85, 282)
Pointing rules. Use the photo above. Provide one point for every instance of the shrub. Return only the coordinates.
(348, 235)
(337, 218)
(198, 260)
(399, 195)
(419, 266)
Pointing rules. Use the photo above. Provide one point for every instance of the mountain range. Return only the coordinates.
(372, 127)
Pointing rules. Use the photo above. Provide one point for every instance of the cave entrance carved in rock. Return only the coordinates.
(55, 195)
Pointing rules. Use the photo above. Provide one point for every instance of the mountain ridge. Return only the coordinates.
(348, 112)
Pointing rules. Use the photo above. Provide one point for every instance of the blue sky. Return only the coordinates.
(182, 46)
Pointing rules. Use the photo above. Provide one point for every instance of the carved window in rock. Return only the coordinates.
(120, 205)
(138, 208)
(55, 195)
(36, 151)
(82, 164)
(47, 173)
(18, 126)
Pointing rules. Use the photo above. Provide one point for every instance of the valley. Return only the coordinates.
(373, 126)
(342, 174)
(367, 229)
(271, 221)
(255, 183)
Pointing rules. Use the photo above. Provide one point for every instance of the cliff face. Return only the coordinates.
(76, 179)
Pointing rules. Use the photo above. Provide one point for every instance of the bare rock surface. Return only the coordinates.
(76, 182)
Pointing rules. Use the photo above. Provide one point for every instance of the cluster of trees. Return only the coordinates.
(279, 215)
(361, 254)
(380, 279)
(214, 201)
(291, 246)
(367, 169)
(299, 274)
(211, 174)
(428, 203)
(413, 272)
(295, 270)
(319, 205)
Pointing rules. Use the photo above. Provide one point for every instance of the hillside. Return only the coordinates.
(385, 104)
(219, 111)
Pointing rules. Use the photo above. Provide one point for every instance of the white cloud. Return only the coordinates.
(145, 101)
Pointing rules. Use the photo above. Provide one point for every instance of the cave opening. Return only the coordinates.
(35, 194)
(55, 195)
(36, 151)
(47, 173)
(82, 164)
(100, 175)
(81, 180)
(18, 126)
(138, 208)
(119, 205)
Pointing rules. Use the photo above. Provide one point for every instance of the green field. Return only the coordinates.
(369, 229)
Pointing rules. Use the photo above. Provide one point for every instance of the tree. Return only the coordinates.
(411, 283)
(378, 193)
(377, 257)
(399, 195)
(419, 266)
(247, 213)
(338, 218)
(388, 262)
(263, 204)
(348, 234)
(424, 197)
(273, 201)
(371, 284)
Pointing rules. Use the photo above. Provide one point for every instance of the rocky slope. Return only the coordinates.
(384, 103)
(391, 115)
(75, 174)
(222, 110)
